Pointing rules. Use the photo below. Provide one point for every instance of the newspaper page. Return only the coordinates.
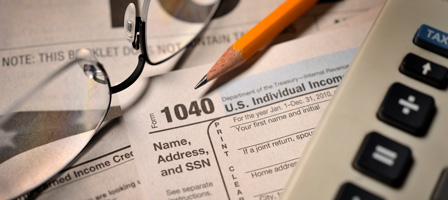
(42, 35)
(240, 139)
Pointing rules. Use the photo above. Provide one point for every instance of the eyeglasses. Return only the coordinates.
(48, 116)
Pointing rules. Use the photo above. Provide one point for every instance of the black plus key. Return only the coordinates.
(384, 159)
(425, 71)
(407, 109)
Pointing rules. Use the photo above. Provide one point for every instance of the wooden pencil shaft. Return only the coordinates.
(271, 26)
(228, 61)
(258, 37)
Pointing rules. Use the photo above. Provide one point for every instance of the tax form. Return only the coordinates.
(44, 35)
(239, 139)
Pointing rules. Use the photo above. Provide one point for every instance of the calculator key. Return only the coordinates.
(441, 191)
(349, 191)
(425, 71)
(384, 159)
(432, 39)
(407, 109)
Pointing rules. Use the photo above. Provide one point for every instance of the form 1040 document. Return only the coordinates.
(240, 139)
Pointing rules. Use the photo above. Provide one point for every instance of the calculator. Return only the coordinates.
(385, 133)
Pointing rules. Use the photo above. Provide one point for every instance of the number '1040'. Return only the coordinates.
(181, 112)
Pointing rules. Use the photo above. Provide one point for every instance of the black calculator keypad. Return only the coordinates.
(407, 109)
(384, 159)
(424, 70)
(351, 191)
(412, 111)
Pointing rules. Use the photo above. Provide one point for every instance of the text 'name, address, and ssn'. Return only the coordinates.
(269, 114)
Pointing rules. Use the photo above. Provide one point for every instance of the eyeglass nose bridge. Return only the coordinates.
(95, 70)
(136, 43)
(132, 78)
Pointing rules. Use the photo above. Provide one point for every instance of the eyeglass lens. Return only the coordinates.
(171, 25)
(53, 125)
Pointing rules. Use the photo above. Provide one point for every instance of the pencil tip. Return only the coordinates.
(202, 82)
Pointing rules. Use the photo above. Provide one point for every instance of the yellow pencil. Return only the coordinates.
(257, 37)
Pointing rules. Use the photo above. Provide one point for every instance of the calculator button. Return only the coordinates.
(384, 159)
(425, 71)
(407, 109)
(441, 191)
(352, 192)
(432, 39)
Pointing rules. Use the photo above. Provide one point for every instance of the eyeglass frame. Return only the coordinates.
(139, 42)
